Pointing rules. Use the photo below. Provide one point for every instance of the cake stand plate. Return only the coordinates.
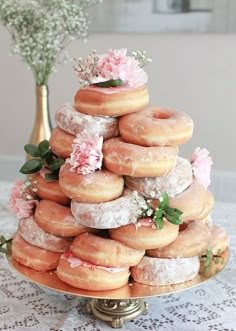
(125, 303)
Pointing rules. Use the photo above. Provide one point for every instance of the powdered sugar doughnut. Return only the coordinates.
(156, 271)
(112, 101)
(155, 126)
(49, 190)
(104, 251)
(175, 182)
(61, 142)
(32, 256)
(193, 239)
(145, 235)
(112, 214)
(96, 187)
(57, 219)
(88, 276)
(34, 235)
(138, 161)
(74, 122)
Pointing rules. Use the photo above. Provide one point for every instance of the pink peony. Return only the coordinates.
(116, 64)
(86, 154)
(22, 202)
(201, 165)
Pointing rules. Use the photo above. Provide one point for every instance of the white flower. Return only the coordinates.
(41, 29)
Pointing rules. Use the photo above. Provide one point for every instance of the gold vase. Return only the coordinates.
(42, 125)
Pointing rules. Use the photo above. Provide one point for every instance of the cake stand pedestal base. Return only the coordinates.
(117, 311)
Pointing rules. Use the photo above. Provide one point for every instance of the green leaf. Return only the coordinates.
(51, 177)
(110, 83)
(32, 150)
(158, 213)
(206, 262)
(56, 164)
(43, 147)
(159, 222)
(3, 250)
(173, 215)
(31, 166)
(164, 200)
(2, 239)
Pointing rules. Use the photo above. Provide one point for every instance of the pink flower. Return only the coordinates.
(22, 202)
(116, 64)
(86, 154)
(201, 165)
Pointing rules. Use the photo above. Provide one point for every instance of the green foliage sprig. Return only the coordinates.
(209, 257)
(42, 156)
(163, 211)
(5, 244)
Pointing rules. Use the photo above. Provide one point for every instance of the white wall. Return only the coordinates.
(193, 73)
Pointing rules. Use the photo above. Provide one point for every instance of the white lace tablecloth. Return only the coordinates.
(25, 306)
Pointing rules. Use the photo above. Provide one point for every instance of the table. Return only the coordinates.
(210, 306)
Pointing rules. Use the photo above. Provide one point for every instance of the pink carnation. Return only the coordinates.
(22, 202)
(201, 165)
(116, 64)
(86, 154)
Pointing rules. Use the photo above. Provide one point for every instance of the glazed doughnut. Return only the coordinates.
(50, 190)
(193, 239)
(156, 126)
(57, 219)
(155, 271)
(219, 240)
(61, 142)
(33, 257)
(144, 235)
(195, 202)
(112, 101)
(34, 235)
(112, 214)
(74, 122)
(96, 187)
(84, 275)
(172, 183)
(104, 251)
(138, 161)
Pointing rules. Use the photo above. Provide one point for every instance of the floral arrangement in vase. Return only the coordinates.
(40, 31)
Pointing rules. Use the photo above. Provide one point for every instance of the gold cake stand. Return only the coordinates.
(123, 304)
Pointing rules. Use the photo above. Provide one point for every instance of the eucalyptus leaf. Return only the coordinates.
(31, 166)
(3, 250)
(56, 164)
(32, 150)
(110, 83)
(164, 200)
(159, 222)
(43, 147)
(158, 213)
(51, 177)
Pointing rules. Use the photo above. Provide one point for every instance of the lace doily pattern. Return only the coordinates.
(210, 306)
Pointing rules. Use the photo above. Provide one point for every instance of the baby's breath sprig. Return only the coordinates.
(141, 57)
(41, 29)
(209, 257)
(87, 68)
(42, 156)
(163, 211)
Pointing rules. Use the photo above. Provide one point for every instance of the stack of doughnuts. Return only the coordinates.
(90, 227)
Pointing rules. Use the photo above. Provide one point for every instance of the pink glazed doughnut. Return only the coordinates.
(72, 121)
(156, 126)
(123, 158)
(61, 142)
(112, 101)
